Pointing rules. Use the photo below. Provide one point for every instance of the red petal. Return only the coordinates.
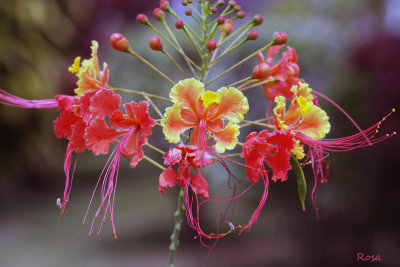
(84, 103)
(66, 102)
(167, 178)
(77, 142)
(62, 125)
(99, 137)
(104, 103)
(173, 156)
(200, 185)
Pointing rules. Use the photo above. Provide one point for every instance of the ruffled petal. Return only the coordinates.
(84, 104)
(173, 124)
(104, 103)
(226, 138)
(62, 125)
(167, 179)
(77, 142)
(140, 113)
(200, 185)
(173, 156)
(186, 93)
(314, 124)
(99, 136)
(120, 122)
(66, 102)
(232, 105)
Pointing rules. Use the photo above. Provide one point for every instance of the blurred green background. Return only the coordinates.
(348, 50)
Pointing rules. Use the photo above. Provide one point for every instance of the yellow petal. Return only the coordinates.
(186, 93)
(232, 104)
(314, 124)
(74, 68)
(208, 98)
(226, 138)
(173, 124)
(298, 150)
(279, 112)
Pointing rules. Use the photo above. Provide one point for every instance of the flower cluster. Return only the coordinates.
(204, 123)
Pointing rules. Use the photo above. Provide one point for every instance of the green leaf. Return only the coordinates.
(301, 181)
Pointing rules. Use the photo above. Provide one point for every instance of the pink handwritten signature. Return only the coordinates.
(369, 258)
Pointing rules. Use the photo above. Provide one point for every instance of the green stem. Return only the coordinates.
(154, 162)
(177, 228)
(140, 93)
(240, 62)
(151, 66)
(259, 124)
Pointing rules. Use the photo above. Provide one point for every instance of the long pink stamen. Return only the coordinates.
(18, 102)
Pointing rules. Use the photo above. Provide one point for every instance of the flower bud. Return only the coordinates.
(190, 1)
(188, 11)
(159, 14)
(179, 24)
(184, 2)
(280, 38)
(211, 45)
(155, 43)
(214, 9)
(253, 35)
(237, 7)
(258, 19)
(241, 14)
(119, 42)
(142, 19)
(220, 20)
(231, 3)
(261, 71)
(164, 5)
(221, 2)
(227, 28)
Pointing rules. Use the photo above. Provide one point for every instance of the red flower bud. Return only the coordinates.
(188, 11)
(190, 1)
(155, 43)
(231, 3)
(184, 2)
(159, 14)
(220, 20)
(261, 71)
(280, 38)
(179, 24)
(258, 19)
(241, 14)
(142, 19)
(253, 35)
(119, 42)
(164, 5)
(211, 45)
(214, 9)
(227, 28)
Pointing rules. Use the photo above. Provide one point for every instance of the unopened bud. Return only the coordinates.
(142, 19)
(179, 24)
(155, 43)
(164, 5)
(231, 3)
(188, 11)
(220, 20)
(211, 45)
(221, 2)
(159, 14)
(227, 28)
(258, 19)
(241, 14)
(184, 2)
(280, 38)
(253, 35)
(190, 1)
(214, 9)
(261, 71)
(237, 7)
(119, 42)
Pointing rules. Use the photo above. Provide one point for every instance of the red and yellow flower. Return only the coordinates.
(204, 112)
